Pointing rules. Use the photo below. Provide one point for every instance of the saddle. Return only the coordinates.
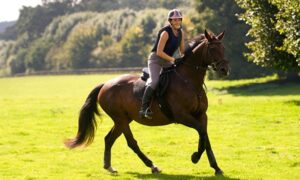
(164, 80)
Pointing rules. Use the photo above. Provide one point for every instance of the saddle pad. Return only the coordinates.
(138, 88)
(140, 85)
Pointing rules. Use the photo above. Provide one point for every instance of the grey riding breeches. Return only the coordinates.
(155, 65)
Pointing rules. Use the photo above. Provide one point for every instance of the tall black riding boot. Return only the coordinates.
(145, 111)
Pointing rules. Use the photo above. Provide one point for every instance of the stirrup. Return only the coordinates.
(146, 114)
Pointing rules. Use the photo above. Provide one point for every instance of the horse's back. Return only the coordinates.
(117, 99)
(116, 95)
(118, 87)
(125, 79)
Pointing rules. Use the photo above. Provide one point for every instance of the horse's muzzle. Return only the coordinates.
(223, 68)
(224, 71)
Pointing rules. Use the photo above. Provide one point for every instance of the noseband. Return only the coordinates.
(196, 67)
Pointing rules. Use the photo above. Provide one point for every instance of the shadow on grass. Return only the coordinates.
(177, 176)
(293, 102)
(270, 88)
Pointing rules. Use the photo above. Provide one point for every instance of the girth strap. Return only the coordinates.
(164, 81)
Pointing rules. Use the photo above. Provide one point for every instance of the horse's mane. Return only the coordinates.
(195, 42)
(192, 44)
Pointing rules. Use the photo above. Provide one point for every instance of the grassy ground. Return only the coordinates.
(253, 126)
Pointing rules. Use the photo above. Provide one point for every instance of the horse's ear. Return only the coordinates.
(220, 36)
(208, 37)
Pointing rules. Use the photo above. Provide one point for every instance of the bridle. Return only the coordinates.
(196, 67)
(215, 63)
(200, 67)
(204, 67)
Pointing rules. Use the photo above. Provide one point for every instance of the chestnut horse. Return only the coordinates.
(185, 91)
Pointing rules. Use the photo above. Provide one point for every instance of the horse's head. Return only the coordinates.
(208, 50)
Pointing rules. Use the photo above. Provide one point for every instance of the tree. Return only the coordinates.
(275, 28)
(107, 56)
(289, 24)
(148, 24)
(219, 15)
(133, 48)
(34, 20)
(16, 63)
(35, 57)
(98, 6)
(68, 2)
(82, 40)
(108, 5)
(80, 44)
(172, 4)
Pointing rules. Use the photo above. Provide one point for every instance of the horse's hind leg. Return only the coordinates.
(110, 138)
(132, 143)
(211, 157)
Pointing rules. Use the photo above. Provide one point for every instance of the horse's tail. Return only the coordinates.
(87, 123)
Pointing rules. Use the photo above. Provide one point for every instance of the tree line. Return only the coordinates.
(274, 32)
(71, 34)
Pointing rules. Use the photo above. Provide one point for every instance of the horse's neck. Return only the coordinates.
(193, 68)
(192, 75)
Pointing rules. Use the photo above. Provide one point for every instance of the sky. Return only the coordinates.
(9, 9)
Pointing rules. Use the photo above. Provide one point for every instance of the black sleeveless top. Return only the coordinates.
(172, 43)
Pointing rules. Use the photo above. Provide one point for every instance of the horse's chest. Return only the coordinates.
(200, 103)
(203, 104)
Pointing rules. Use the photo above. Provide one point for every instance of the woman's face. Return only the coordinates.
(176, 22)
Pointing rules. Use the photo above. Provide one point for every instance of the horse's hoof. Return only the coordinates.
(195, 157)
(112, 170)
(155, 170)
(219, 172)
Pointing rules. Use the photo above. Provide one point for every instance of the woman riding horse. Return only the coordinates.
(186, 96)
(168, 40)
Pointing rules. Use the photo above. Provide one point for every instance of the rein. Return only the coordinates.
(200, 67)
(196, 67)
(189, 83)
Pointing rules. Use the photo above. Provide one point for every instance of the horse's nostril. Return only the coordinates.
(224, 71)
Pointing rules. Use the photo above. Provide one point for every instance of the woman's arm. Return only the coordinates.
(182, 45)
(161, 45)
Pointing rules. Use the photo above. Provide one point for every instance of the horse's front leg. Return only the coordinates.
(201, 128)
(201, 147)
(211, 157)
(200, 125)
(204, 144)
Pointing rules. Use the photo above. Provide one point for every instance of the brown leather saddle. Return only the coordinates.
(161, 90)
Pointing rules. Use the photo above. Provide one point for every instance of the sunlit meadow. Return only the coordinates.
(253, 126)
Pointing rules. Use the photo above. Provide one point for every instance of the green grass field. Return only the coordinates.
(253, 126)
